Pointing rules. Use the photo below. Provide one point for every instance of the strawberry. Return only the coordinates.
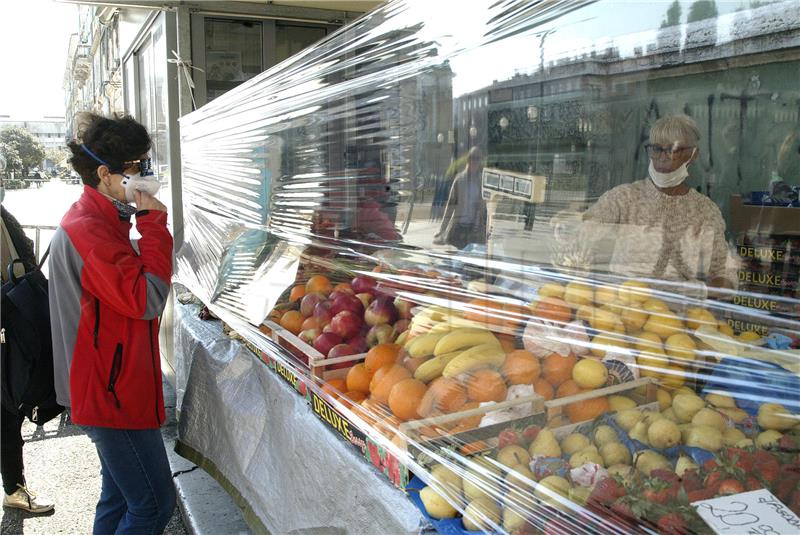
(784, 488)
(607, 491)
(794, 503)
(710, 465)
(730, 486)
(713, 480)
(509, 437)
(701, 494)
(665, 475)
(767, 467)
(753, 484)
(672, 524)
(623, 511)
(659, 491)
(691, 480)
(787, 443)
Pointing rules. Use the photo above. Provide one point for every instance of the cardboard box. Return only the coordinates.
(764, 219)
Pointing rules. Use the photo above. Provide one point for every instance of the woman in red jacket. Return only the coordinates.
(105, 299)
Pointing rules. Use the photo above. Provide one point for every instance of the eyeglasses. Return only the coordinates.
(144, 166)
(657, 150)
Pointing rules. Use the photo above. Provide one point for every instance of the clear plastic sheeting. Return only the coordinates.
(265, 442)
(546, 253)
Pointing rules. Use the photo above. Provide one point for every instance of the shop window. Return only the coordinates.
(233, 54)
(292, 38)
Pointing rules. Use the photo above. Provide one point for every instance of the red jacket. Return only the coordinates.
(105, 300)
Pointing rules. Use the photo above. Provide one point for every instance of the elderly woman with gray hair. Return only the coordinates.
(663, 229)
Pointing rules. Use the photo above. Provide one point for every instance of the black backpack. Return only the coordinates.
(27, 346)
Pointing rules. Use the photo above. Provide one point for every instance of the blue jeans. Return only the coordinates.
(138, 495)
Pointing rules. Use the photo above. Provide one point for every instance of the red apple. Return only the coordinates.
(403, 308)
(325, 341)
(346, 324)
(347, 302)
(359, 344)
(401, 326)
(310, 301)
(530, 433)
(365, 299)
(309, 335)
(362, 284)
(380, 334)
(508, 437)
(341, 350)
(381, 310)
(322, 312)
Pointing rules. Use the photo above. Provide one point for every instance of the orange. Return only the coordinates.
(568, 388)
(405, 397)
(335, 387)
(507, 342)
(297, 293)
(446, 395)
(384, 379)
(499, 314)
(349, 398)
(473, 447)
(486, 385)
(588, 409)
(557, 369)
(343, 287)
(358, 379)
(319, 283)
(521, 367)
(292, 321)
(412, 364)
(381, 355)
(470, 422)
(553, 309)
(544, 389)
(309, 323)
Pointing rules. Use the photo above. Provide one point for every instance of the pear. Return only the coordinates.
(709, 417)
(732, 436)
(480, 478)
(704, 436)
(615, 453)
(480, 514)
(628, 418)
(574, 443)
(605, 434)
(513, 521)
(580, 495)
(622, 470)
(435, 504)
(554, 484)
(649, 460)
(664, 399)
(545, 444)
(684, 463)
(449, 481)
(663, 434)
(620, 403)
(670, 415)
(586, 456)
(513, 455)
(520, 478)
(775, 416)
(639, 432)
(768, 438)
(686, 406)
(737, 415)
(649, 417)
(721, 401)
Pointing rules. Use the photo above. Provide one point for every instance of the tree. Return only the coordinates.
(21, 149)
(58, 157)
(673, 16)
(701, 10)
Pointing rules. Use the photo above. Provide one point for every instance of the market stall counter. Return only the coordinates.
(284, 468)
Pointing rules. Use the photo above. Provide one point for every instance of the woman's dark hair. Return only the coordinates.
(114, 140)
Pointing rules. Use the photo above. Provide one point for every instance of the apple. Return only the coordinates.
(380, 310)
(509, 437)
(341, 350)
(380, 334)
(309, 302)
(346, 324)
(403, 308)
(359, 344)
(401, 326)
(349, 302)
(309, 335)
(325, 341)
(530, 433)
(365, 298)
(322, 312)
(362, 284)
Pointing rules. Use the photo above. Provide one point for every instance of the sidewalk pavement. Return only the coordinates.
(61, 462)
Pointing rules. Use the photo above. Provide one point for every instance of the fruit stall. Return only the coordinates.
(482, 291)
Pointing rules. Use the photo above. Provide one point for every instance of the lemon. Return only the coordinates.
(551, 289)
(590, 373)
(631, 292)
(578, 293)
(601, 343)
(697, 317)
(749, 336)
(681, 346)
(724, 328)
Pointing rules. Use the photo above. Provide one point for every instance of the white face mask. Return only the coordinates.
(137, 182)
(671, 179)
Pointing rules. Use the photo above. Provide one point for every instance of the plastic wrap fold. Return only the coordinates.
(547, 253)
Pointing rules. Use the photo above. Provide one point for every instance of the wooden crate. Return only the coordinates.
(317, 362)
(555, 407)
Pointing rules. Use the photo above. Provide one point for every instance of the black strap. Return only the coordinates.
(13, 277)
(44, 257)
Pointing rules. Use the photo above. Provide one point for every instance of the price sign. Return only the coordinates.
(757, 512)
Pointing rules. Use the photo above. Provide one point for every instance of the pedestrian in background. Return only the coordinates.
(14, 244)
(105, 300)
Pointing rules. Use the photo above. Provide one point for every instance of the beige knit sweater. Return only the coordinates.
(677, 238)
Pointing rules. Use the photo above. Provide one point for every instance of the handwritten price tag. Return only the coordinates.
(753, 513)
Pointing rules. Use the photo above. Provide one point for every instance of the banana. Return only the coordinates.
(463, 337)
(490, 354)
(431, 369)
(422, 345)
